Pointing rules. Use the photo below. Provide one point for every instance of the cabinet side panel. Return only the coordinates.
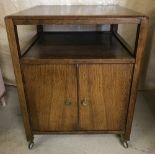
(15, 53)
(48, 87)
(106, 90)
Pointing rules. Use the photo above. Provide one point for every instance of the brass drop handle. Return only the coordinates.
(68, 102)
(85, 102)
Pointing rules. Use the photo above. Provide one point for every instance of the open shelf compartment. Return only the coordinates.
(78, 46)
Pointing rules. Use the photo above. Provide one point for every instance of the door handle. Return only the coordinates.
(85, 102)
(68, 102)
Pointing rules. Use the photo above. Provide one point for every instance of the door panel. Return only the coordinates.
(51, 96)
(104, 96)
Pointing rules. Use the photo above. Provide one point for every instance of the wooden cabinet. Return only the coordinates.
(77, 82)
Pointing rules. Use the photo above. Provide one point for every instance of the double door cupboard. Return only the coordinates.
(80, 97)
(77, 82)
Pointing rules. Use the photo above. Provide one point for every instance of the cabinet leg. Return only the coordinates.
(124, 142)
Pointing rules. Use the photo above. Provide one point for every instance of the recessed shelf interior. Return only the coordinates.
(77, 45)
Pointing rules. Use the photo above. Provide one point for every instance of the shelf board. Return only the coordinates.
(78, 47)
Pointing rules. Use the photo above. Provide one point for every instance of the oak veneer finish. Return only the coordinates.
(75, 11)
(139, 53)
(76, 15)
(15, 53)
(102, 70)
(49, 112)
(106, 89)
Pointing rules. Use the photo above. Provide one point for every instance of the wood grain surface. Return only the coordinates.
(106, 88)
(139, 53)
(40, 15)
(48, 87)
(15, 53)
(77, 10)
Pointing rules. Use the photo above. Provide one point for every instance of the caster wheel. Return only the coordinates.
(124, 141)
(125, 144)
(30, 146)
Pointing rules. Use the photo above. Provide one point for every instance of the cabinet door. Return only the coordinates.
(104, 96)
(51, 92)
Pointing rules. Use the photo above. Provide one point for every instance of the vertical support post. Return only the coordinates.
(15, 53)
(40, 29)
(139, 50)
(114, 28)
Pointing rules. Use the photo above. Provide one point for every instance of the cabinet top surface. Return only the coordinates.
(77, 11)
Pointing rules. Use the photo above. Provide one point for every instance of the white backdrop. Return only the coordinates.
(11, 6)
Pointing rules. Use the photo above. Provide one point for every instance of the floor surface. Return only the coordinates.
(12, 136)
